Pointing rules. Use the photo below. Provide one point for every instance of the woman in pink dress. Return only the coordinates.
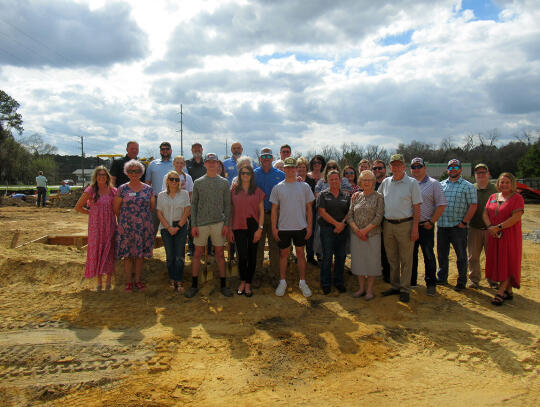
(97, 202)
(502, 217)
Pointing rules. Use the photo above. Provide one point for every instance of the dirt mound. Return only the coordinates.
(63, 343)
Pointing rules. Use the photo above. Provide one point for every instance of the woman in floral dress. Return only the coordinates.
(97, 202)
(135, 235)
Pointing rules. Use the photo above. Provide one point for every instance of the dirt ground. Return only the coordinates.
(62, 343)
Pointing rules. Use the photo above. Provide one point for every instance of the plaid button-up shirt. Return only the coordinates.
(459, 195)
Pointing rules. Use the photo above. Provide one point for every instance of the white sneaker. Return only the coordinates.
(304, 288)
(280, 290)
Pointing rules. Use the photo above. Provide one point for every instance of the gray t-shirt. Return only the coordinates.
(211, 201)
(292, 198)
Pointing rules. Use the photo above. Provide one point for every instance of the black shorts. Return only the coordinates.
(298, 237)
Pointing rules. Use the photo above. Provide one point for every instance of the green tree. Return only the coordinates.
(9, 118)
(529, 164)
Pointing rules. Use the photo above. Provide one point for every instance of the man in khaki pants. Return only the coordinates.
(477, 236)
(402, 199)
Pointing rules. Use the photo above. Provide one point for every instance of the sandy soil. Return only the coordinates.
(61, 343)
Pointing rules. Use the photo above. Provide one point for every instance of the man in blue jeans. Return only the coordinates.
(452, 227)
(431, 209)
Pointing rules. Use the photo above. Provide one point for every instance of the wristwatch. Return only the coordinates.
(465, 223)
(261, 227)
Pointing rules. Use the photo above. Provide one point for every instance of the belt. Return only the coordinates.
(398, 221)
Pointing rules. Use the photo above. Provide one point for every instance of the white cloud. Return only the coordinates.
(307, 73)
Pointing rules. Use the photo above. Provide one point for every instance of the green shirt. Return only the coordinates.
(483, 195)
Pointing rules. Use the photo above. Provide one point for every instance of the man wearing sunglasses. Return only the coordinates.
(431, 209)
(452, 227)
(266, 178)
(155, 173)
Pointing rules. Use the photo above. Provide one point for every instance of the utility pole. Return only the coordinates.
(181, 131)
(82, 159)
(226, 148)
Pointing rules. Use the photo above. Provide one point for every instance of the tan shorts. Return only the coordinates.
(214, 231)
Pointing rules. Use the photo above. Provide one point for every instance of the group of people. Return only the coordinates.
(325, 212)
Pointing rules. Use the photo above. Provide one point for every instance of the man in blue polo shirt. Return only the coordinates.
(452, 226)
(266, 177)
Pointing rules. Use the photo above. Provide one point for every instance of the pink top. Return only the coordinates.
(245, 206)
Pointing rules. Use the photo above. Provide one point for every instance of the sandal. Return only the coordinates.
(172, 283)
(129, 287)
(498, 300)
(359, 294)
(140, 286)
(508, 295)
(179, 287)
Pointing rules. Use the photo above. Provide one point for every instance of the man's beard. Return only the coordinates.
(197, 155)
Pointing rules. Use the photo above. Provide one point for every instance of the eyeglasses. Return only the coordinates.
(317, 162)
(454, 168)
(377, 169)
(173, 179)
(416, 167)
(348, 172)
(245, 173)
(137, 171)
(266, 156)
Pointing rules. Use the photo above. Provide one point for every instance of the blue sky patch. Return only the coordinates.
(483, 9)
(403, 38)
(301, 57)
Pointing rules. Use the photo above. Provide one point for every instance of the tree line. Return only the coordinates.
(22, 158)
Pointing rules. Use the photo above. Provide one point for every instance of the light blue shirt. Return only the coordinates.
(400, 196)
(230, 169)
(266, 181)
(41, 181)
(155, 172)
(64, 189)
(460, 195)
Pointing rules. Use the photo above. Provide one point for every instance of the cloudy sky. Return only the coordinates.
(265, 72)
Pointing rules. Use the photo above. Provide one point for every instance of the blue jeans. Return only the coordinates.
(333, 246)
(458, 238)
(41, 196)
(175, 247)
(426, 241)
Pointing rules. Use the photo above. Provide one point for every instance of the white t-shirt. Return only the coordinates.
(172, 209)
(292, 198)
(186, 182)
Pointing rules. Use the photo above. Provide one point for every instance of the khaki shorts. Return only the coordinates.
(214, 231)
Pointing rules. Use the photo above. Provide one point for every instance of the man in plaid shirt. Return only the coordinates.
(452, 226)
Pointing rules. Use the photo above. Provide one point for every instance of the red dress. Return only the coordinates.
(503, 258)
(101, 234)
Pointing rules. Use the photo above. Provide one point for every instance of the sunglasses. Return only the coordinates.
(377, 169)
(416, 167)
(173, 179)
(137, 171)
(245, 173)
(332, 167)
(349, 173)
(317, 162)
(266, 156)
(455, 168)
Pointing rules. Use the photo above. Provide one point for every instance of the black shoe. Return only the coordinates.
(190, 293)
(226, 291)
(440, 282)
(341, 288)
(248, 294)
(312, 261)
(392, 291)
(404, 297)
(460, 287)
(326, 290)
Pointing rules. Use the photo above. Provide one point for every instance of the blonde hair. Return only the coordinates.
(173, 172)
(512, 179)
(93, 180)
(302, 161)
(180, 157)
(367, 174)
